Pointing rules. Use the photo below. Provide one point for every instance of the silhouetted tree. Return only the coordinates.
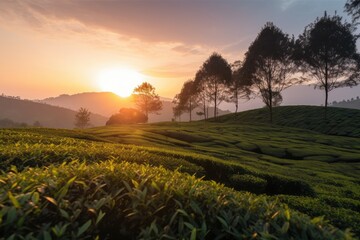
(177, 109)
(203, 93)
(126, 116)
(146, 99)
(214, 76)
(352, 7)
(327, 53)
(82, 118)
(239, 87)
(186, 99)
(269, 65)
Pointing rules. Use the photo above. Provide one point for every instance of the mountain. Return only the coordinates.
(29, 112)
(108, 103)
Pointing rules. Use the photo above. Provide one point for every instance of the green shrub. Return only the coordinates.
(127, 201)
(248, 183)
(286, 185)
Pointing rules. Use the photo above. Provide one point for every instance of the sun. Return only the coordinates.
(120, 81)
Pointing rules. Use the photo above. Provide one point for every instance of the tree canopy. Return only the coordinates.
(352, 7)
(269, 65)
(213, 77)
(186, 99)
(126, 116)
(82, 118)
(146, 99)
(326, 52)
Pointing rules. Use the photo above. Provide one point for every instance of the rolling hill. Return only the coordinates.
(30, 112)
(340, 121)
(236, 178)
(108, 103)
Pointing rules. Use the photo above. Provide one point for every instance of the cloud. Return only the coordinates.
(187, 50)
(285, 4)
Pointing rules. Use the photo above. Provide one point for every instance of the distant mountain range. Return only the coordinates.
(59, 112)
(34, 113)
(108, 103)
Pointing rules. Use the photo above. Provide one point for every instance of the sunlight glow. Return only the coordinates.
(120, 81)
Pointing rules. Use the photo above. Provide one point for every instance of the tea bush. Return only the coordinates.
(130, 201)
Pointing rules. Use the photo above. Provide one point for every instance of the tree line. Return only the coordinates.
(324, 54)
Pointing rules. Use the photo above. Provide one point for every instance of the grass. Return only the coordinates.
(312, 173)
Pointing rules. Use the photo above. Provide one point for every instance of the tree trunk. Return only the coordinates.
(215, 102)
(190, 109)
(270, 107)
(204, 110)
(326, 89)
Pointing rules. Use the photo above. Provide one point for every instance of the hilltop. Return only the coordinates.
(108, 103)
(340, 121)
(29, 112)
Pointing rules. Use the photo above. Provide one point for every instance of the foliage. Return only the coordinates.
(239, 88)
(352, 7)
(294, 163)
(126, 116)
(269, 65)
(122, 200)
(186, 100)
(213, 77)
(82, 118)
(251, 183)
(327, 52)
(146, 99)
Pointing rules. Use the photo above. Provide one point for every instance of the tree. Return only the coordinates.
(204, 95)
(126, 116)
(239, 85)
(269, 65)
(327, 53)
(186, 99)
(82, 118)
(352, 7)
(146, 99)
(214, 76)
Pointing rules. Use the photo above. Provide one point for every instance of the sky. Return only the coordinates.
(53, 47)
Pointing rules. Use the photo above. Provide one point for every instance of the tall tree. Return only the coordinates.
(215, 76)
(269, 65)
(187, 98)
(177, 109)
(82, 118)
(352, 7)
(146, 99)
(203, 93)
(327, 54)
(239, 87)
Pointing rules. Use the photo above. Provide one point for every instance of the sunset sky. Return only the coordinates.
(51, 47)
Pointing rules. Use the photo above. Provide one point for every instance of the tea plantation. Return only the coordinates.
(201, 180)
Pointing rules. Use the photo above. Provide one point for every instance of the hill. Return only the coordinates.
(352, 103)
(107, 103)
(30, 112)
(340, 121)
(143, 178)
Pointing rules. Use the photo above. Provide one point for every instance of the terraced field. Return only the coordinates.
(146, 178)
